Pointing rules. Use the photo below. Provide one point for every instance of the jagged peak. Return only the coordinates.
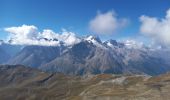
(95, 40)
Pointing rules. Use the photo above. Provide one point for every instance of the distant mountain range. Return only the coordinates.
(89, 56)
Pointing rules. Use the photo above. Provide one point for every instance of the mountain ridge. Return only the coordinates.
(92, 56)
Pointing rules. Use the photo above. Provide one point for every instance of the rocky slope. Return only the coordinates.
(24, 83)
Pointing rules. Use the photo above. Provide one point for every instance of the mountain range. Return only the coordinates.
(88, 56)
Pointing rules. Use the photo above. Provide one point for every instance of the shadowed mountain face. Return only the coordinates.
(25, 83)
(35, 56)
(7, 51)
(91, 56)
(3, 56)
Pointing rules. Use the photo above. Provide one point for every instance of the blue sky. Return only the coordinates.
(75, 15)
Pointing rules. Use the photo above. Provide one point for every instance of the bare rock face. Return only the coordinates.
(20, 82)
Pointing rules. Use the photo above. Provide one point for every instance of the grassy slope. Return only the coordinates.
(21, 83)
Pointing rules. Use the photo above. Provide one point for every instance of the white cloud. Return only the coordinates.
(29, 35)
(132, 43)
(24, 30)
(106, 23)
(156, 29)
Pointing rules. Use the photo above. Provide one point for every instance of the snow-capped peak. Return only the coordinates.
(94, 39)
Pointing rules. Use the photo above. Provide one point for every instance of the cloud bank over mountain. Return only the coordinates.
(157, 29)
(29, 35)
(153, 29)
